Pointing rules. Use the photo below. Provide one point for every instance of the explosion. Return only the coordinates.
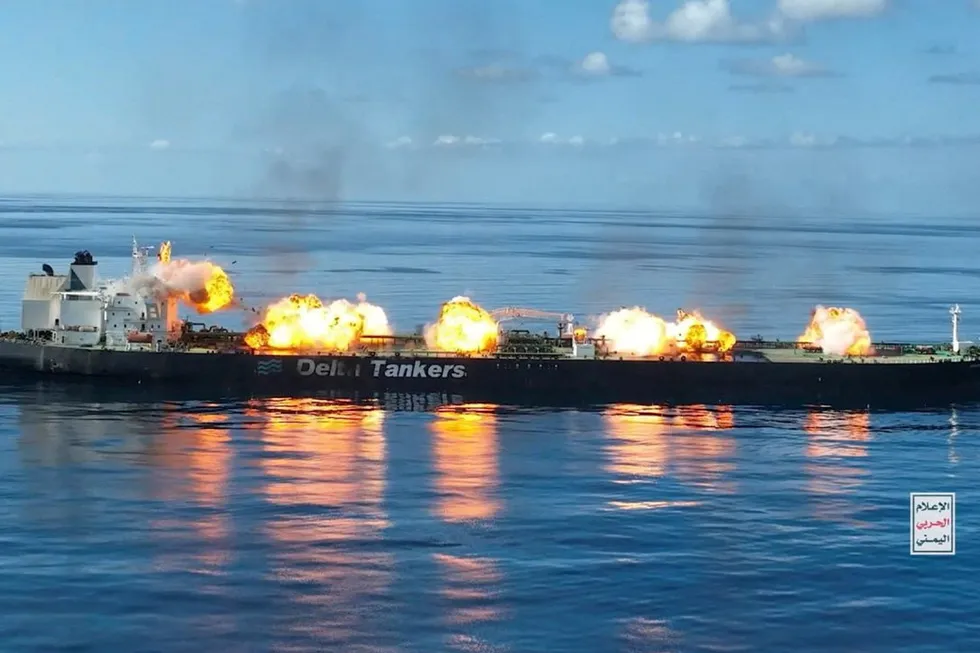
(691, 332)
(634, 331)
(838, 331)
(303, 322)
(201, 284)
(640, 333)
(463, 326)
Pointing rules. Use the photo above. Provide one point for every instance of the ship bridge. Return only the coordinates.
(74, 309)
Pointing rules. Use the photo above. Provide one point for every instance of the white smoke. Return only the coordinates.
(173, 278)
(840, 330)
(837, 338)
(180, 276)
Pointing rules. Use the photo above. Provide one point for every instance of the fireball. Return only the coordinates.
(691, 332)
(202, 285)
(463, 326)
(634, 331)
(302, 322)
(838, 331)
(641, 333)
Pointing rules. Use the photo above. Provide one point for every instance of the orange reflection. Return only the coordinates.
(642, 634)
(208, 465)
(837, 433)
(208, 457)
(639, 441)
(326, 453)
(703, 454)
(647, 440)
(465, 461)
(165, 454)
(471, 590)
(190, 458)
(836, 440)
(324, 465)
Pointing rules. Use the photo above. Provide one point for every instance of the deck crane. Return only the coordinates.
(566, 322)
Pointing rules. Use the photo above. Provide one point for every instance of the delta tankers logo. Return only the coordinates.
(382, 367)
(265, 368)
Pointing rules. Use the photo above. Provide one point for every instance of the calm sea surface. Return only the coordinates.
(129, 524)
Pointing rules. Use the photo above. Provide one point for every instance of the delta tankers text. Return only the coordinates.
(129, 330)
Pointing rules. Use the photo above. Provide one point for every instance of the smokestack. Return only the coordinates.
(82, 272)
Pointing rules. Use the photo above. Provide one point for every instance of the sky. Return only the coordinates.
(831, 104)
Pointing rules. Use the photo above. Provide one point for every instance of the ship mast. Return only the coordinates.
(954, 312)
(139, 258)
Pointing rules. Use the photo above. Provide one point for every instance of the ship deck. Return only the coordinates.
(786, 355)
(802, 356)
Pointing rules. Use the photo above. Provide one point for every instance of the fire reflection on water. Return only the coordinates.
(465, 461)
(464, 440)
(324, 471)
(836, 441)
(208, 464)
(647, 442)
(191, 461)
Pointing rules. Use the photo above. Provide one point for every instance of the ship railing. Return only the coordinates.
(744, 345)
(370, 353)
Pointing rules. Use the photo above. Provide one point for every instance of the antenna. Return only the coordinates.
(954, 312)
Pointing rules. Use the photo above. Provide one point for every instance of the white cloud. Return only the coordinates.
(782, 65)
(498, 73)
(809, 10)
(401, 141)
(677, 137)
(806, 139)
(449, 140)
(734, 141)
(694, 21)
(595, 63)
(480, 140)
(160, 144)
(792, 66)
(802, 139)
(551, 138)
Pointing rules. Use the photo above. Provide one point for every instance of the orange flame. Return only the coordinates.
(692, 332)
(303, 322)
(202, 285)
(641, 333)
(634, 331)
(463, 326)
(838, 331)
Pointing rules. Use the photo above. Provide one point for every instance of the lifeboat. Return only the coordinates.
(136, 336)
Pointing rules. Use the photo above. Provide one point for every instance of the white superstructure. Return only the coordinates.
(80, 311)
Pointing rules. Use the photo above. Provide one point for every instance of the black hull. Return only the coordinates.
(532, 382)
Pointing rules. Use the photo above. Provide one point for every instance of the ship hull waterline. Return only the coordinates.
(526, 381)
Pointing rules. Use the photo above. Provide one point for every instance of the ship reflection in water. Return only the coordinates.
(325, 524)
(194, 459)
(837, 441)
(687, 442)
(323, 473)
(464, 453)
(466, 467)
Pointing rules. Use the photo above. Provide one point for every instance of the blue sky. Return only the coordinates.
(517, 100)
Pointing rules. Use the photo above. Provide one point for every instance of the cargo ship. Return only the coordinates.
(73, 326)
